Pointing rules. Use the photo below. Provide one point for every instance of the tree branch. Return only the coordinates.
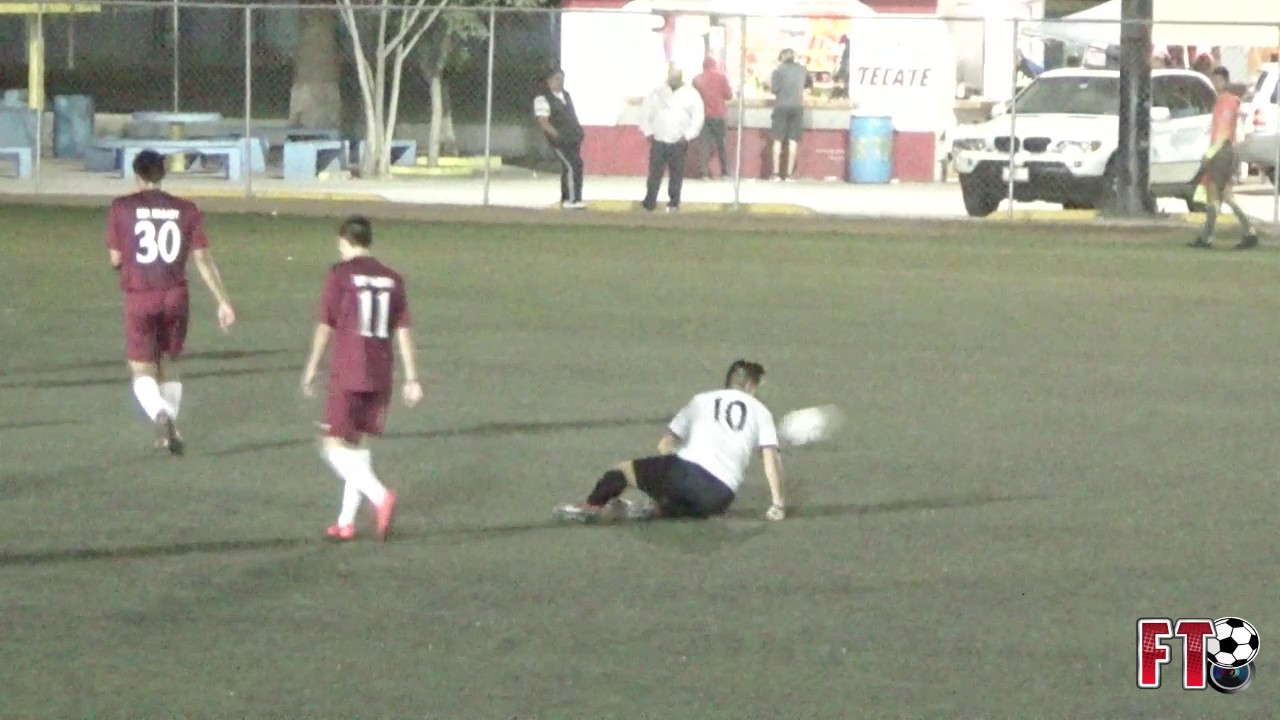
(407, 24)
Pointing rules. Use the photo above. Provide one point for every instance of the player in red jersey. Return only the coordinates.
(363, 306)
(150, 235)
(1220, 163)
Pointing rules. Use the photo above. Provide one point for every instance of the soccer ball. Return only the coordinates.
(1234, 643)
(809, 425)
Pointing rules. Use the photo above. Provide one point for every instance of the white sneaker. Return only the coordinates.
(576, 205)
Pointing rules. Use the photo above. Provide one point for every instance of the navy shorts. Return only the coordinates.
(681, 488)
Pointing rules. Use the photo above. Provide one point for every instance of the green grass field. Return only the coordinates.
(1050, 434)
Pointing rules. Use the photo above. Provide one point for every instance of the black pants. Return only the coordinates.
(570, 157)
(669, 157)
(681, 489)
(713, 137)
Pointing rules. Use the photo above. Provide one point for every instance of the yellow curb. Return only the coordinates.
(472, 163)
(628, 206)
(1081, 216)
(317, 195)
(1226, 218)
(419, 171)
(1085, 216)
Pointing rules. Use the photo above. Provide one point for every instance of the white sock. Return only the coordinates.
(356, 468)
(350, 503)
(148, 394)
(171, 391)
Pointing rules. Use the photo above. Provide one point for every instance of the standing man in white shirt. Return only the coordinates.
(556, 117)
(672, 117)
(702, 458)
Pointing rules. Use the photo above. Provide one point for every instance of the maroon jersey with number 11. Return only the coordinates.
(364, 302)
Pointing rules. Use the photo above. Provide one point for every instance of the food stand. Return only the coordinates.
(861, 61)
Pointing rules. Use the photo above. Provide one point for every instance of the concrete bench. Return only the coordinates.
(231, 150)
(403, 152)
(19, 155)
(109, 154)
(304, 160)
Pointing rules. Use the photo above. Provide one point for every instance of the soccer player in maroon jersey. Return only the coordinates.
(150, 235)
(363, 305)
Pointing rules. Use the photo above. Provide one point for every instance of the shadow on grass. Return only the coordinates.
(493, 429)
(123, 378)
(26, 425)
(686, 535)
(215, 355)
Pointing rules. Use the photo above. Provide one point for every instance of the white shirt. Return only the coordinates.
(542, 108)
(670, 116)
(721, 430)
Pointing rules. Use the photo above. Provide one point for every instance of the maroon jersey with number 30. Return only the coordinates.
(364, 302)
(154, 232)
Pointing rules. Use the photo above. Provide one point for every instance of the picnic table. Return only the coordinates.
(178, 122)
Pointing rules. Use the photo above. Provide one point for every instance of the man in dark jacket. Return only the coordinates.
(553, 109)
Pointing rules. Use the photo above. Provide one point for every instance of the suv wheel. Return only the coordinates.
(980, 198)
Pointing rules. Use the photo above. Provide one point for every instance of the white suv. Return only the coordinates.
(1262, 122)
(1067, 132)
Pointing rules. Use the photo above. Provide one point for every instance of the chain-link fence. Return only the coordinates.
(876, 113)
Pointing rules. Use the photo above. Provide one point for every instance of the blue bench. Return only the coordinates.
(116, 154)
(231, 150)
(19, 155)
(304, 160)
(403, 152)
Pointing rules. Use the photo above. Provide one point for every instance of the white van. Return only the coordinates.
(1261, 138)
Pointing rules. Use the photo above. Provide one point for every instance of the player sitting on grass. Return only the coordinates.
(702, 458)
(149, 237)
(363, 305)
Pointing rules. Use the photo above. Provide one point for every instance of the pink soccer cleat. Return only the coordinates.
(383, 515)
(341, 532)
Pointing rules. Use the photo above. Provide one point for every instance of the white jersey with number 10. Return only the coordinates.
(721, 430)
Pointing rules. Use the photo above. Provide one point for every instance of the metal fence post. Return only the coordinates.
(176, 40)
(246, 164)
(1275, 169)
(1013, 119)
(488, 106)
(742, 112)
(37, 99)
(71, 39)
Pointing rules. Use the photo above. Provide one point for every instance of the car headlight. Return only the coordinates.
(978, 144)
(1082, 146)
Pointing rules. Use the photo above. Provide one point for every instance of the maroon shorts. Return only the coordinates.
(155, 324)
(349, 415)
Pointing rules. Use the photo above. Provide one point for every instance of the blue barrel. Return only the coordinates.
(72, 125)
(870, 149)
(15, 96)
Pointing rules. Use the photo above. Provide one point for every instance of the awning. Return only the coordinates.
(34, 12)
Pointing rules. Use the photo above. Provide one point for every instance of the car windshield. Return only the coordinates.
(1090, 95)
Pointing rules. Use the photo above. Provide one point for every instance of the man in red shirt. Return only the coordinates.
(363, 306)
(1218, 169)
(150, 235)
(714, 88)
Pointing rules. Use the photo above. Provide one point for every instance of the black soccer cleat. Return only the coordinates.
(167, 435)
(1200, 242)
(1249, 242)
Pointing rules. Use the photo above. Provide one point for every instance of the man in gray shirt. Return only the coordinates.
(788, 84)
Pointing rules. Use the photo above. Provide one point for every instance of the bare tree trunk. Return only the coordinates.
(435, 76)
(364, 73)
(315, 100)
(448, 136)
(371, 70)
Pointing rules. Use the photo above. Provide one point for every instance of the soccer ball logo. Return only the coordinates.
(1234, 643)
